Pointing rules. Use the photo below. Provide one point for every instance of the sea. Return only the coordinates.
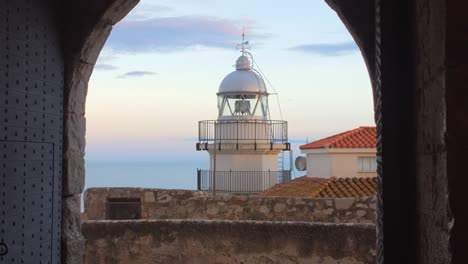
(147, 174)
(161, 174)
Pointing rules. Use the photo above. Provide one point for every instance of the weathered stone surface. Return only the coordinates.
(75, 142)
(279, 207)
(343, 203)
(95, 42)
(118, 10)
(75, 181)
(73, 156)
(149, 197)
(72, 239)
(361, 213)
(202, 241)
(185, 204)
(76, 87)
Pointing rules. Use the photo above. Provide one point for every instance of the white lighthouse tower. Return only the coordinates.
(244, 143)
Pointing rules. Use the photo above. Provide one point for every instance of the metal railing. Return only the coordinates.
(241, 131)
(240, 181)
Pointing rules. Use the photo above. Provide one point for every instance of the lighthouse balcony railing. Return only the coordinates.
(243, 131)
(240, 181)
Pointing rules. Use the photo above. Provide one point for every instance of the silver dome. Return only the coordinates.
(243, 63)
(243, 80)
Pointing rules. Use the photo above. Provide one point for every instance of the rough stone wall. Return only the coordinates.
(202, 241)
(185, 204)
(434, 220)
(442, 121)
(456, 98)
(85, 27)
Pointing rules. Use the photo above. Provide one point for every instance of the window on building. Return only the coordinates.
(367, 164)
(123, 208)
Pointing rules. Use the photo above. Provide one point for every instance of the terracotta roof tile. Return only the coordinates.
(362, 137)
(348, 187)
(301, 186)
(325, 188)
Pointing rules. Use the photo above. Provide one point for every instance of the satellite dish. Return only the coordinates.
(301, 163)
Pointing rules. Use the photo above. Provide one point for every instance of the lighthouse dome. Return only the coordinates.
(242, 80)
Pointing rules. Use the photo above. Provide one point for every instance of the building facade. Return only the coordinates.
(348, 154)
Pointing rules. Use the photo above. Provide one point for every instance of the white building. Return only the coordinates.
(243, 143)
(348, 154)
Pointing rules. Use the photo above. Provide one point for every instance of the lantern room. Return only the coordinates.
(242, 93)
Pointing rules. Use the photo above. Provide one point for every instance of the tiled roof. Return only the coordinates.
(325, 188)
(301, 186)
(362, 137)
(347, 187)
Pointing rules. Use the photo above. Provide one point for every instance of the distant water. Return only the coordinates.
(149, 174)
(146, 174)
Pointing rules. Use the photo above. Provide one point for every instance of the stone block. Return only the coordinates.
(360, 213)
(343, 203)
(264, 210)
(212, 210)
(118, 10)
(72, 240)
(73, 176)
(279, 207)
(361, 205)
(74, 139)
(95, 42)
(431, 130)
(76, 86)
(149, 197)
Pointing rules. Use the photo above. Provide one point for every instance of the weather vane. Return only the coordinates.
(244, 45)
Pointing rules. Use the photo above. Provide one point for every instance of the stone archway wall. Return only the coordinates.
(86, 26)
(425, 186)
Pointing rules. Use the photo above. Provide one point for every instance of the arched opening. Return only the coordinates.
(335, 54)
(137, 89)
(419, 74)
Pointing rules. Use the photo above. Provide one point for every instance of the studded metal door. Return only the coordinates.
(31, 121)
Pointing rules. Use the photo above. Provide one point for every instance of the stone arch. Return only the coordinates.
(409, 76)
(84, 35)
(87, 25)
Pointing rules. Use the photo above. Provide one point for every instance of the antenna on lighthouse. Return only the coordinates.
(244, 45)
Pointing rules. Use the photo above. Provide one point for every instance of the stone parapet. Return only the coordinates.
(208, 241)
(186, 204)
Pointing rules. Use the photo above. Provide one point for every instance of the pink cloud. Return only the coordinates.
(173, 33)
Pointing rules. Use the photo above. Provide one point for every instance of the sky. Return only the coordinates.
(161, 67)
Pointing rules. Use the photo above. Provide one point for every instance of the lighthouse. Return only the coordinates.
(245, 146)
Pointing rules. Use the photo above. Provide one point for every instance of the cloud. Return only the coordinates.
(106, 58)
(105, 67)
(148, 10)
(136, 74)
(166, 34)
(328, 49)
